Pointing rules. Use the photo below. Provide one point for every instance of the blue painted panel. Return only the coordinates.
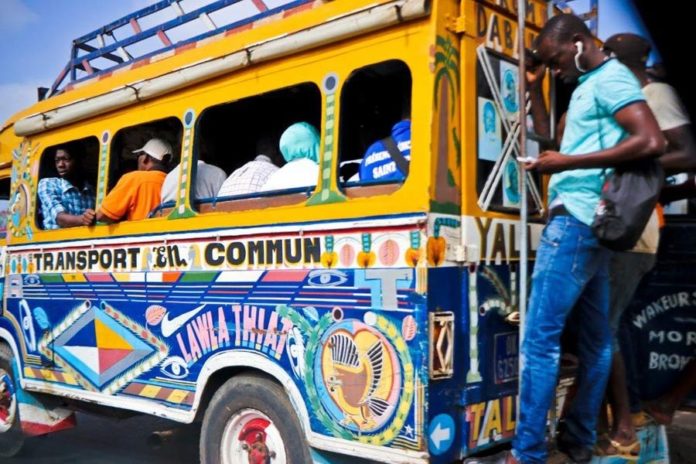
(659, 328)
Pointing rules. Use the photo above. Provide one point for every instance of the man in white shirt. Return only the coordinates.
(628, 268)
(252, 176)
(208, 177)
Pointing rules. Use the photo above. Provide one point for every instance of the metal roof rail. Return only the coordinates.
(590, 17)
(101, 51)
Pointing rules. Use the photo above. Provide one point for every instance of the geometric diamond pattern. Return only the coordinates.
(100, 348)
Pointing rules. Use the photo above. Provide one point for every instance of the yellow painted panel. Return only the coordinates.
(177, 396)
(150, 391)
(108, 339)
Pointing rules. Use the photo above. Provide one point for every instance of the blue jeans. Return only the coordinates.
(571, 271)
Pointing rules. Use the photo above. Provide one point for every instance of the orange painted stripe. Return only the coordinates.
(140, 63)
(170, 276)
(245, 27)
(298, 9)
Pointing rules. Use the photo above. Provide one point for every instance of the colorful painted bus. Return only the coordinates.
(343, 321)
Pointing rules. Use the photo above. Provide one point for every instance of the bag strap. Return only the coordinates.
(396, 155)
(599, 132)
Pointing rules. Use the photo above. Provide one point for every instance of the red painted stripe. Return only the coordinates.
(134, 388)
(230, 292)
(99, 277)
(185, 47)
(260, 5)
(34, 428)
(349, 294)
(136, 27)
(105, 75)
(284, 275)
(88, 67)
(163, 37)
(164, 393)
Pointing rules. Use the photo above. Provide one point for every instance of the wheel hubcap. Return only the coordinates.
(251, 437)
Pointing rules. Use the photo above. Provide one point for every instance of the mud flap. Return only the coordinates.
(42, 416)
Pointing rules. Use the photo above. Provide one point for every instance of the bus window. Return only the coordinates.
(127, 147)
(245, 136)
(4, 203)
(375, 104)
(67, 183)
(498, 172)
(133, 138)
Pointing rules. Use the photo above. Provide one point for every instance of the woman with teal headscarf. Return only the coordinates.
(299, 145)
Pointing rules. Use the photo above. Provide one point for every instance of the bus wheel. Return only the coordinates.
(11, 437)
(250, 420)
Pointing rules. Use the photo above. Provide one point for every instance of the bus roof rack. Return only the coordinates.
(590, 17)
(157, 28)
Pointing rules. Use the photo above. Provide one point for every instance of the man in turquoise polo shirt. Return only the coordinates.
(607, 123)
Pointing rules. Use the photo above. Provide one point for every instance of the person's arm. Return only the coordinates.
(644, 140)
(681, 150)
(101, 217)
(64, 219)
(535, 86)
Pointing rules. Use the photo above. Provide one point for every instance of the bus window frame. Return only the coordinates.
(496, 206)
(38, 225)
(362, 189)
(259, 200)
(112, 156)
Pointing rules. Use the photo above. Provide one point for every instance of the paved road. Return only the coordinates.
(98, 440)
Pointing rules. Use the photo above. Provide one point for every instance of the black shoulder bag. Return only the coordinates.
(629, 196)
(396, 155)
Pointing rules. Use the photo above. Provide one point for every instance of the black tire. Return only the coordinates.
(11, 440)
(240, 395)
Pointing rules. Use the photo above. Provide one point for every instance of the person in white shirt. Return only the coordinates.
(299, 145)
(252, 176)
(208, 177)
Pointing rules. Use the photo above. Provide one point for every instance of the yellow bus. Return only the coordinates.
(365, 315)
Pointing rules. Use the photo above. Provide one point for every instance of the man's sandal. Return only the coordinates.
(606, 447)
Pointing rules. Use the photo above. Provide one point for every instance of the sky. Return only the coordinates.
(36, 36)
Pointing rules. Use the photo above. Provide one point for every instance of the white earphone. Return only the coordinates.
(580, 47)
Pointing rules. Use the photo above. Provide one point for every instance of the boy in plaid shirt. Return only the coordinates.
(66, 200)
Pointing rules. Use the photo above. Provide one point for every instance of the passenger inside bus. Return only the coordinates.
(388, 159)
(68, 199)
(252, 176)
(375, 104)
(299, 145)
(208, 177)
(238, 132)
(138, 192)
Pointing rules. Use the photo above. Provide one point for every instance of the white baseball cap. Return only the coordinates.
(157, 148)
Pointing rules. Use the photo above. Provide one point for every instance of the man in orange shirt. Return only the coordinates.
(138, 192)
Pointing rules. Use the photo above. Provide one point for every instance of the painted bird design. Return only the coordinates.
(358, 375)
